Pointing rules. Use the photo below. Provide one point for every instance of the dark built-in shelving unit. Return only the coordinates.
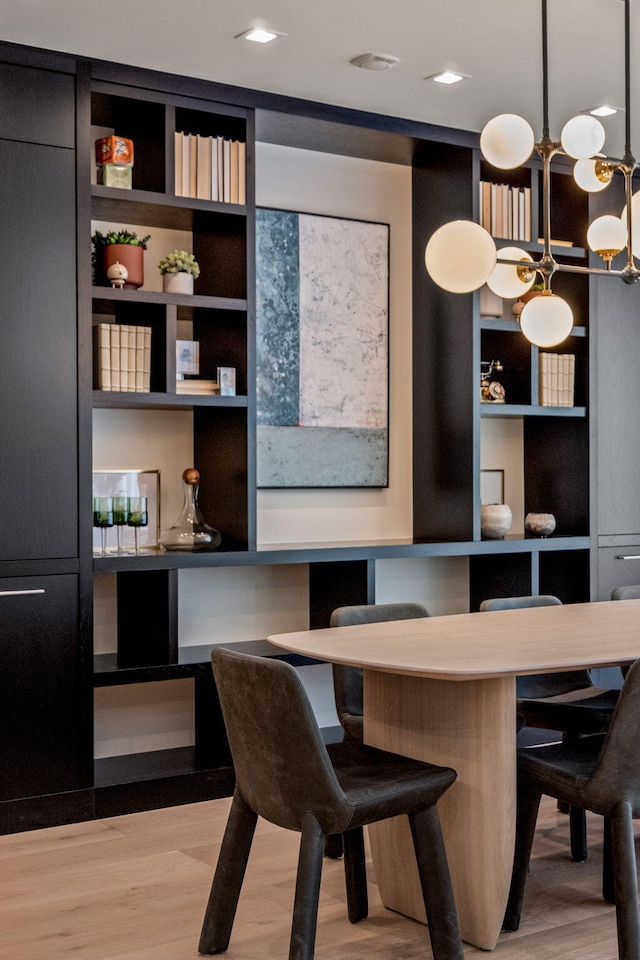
(46, 176)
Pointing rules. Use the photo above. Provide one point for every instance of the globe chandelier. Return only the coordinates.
(461, 256)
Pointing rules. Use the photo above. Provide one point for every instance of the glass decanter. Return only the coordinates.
(190, 532)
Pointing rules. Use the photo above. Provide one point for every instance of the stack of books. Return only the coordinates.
(505, 211)
(122, 357)
(199, 387)
(210, 168)
(556, 379)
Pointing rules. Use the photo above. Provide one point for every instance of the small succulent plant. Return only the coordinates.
(179, 262)
(119, 236)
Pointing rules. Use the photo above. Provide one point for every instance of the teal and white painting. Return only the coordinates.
(322, 321)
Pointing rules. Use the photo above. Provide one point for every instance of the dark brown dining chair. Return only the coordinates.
(599, 773)
(568, 702)
(286, 774)
(347, 681)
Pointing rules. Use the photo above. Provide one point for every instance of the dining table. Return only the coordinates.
(443, 689)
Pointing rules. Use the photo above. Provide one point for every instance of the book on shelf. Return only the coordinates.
(122, 357)
(556, 379)
(210, 168)
(558, 243)
(197, 387)
(505, 211)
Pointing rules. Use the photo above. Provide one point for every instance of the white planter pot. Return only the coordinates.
(177, 283)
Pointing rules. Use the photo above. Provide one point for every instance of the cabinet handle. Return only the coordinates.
(633, 556)
(18, 593)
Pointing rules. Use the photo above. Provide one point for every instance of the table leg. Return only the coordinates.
(468, 725)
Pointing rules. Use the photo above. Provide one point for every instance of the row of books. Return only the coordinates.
(505, 211)
(210, 168)
(556, 379)
(197, 387)
(122, 357)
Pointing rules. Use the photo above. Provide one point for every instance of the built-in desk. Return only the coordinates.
(443, 689)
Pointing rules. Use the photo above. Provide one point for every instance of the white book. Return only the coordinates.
(203, 168)
(139, 364)
(234, 171)
(242, 172)
(226, 171)
(494, 209)
(215, 185)
(186, 165)
(178, 163)
(146, 380)
(543, 379)
(220, 168)
(102, 356)
(527, 213)
(553, 392)
(131, 359)
(115, 356)
(521, 217)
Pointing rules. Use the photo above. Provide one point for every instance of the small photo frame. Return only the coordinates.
(227, 381)
(187, 358)
(130, 483)
(491, 486)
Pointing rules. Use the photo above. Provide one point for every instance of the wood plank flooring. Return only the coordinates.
(135, 888)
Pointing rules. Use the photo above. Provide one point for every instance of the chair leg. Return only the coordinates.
(355, 874)
(435, 880)
(528, 806)
(228, 877)
(333, 847)
(305, 906)
(578, 834)
(625, 882)
(608, 889)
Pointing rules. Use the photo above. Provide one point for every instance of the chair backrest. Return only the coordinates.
(539, 684)
(617, 774)
(281, 763)
(626, 593)
(347, 681)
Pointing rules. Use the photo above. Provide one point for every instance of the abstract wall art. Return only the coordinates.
(322, 319)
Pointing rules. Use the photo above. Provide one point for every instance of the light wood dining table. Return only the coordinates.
(442, 689)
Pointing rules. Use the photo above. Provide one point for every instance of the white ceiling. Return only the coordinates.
(496, 42)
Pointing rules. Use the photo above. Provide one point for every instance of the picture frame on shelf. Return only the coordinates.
(227, 381)
(491, 487)
(130, 483)
(322, 327)
(187, 358)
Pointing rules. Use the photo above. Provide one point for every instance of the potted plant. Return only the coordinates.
(120, 246)
(179, 269)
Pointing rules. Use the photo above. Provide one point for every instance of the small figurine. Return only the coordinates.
(118, 275)
(491, 391)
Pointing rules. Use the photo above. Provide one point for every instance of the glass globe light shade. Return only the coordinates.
(635, 230)
(507, 141)
(607, 235)
(582, 137)
(505, 280)
(546, 320)
(460, 256)
(584, 174)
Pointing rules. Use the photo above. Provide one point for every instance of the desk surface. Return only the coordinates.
(471, 646)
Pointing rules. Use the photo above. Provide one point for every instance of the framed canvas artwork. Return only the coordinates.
(322, 321)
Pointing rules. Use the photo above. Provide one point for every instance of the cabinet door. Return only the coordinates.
(38, 368)
(40, 687)
(617, 357)
(38, 105)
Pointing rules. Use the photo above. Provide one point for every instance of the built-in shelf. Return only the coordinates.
(155, 209)
(107, 398)
(155, 297)
(513, 326)
(529, 410)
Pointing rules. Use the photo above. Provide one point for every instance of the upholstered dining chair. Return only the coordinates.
(286, 774)
(599, 773)
(568, 702)
(347, 681)
(626, 593)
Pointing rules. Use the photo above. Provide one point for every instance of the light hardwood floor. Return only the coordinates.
(135, 888)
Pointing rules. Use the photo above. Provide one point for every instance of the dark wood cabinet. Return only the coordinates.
(38, 360)
(44, 720)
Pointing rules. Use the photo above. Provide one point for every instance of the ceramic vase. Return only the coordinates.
(131, 256)
(495, 520)
(540, 524)
(177, 283)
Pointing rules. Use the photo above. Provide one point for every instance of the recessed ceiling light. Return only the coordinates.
(259, 35)
(447, 76)
(603, 111)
